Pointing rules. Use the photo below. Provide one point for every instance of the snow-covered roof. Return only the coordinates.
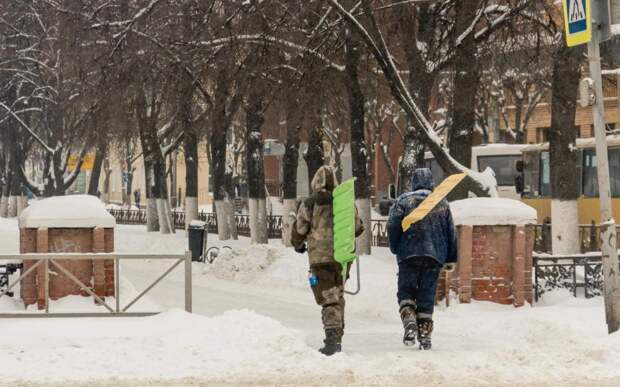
(492, 212)
(498, 149)
(582, 143)
(72, 211)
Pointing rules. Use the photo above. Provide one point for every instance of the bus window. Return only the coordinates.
(614, 171)
(531, 174)
(590, 178)
(504, 167)
(433, 165)
(545, 174)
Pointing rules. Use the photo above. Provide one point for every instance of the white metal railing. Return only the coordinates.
(47, 259)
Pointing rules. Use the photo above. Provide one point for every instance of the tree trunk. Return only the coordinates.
(255, 165)
(359, 149)
(190, 144)
(466, 80)
(14, 192)
(129, 184)
(294, 120)
(100, 154)
(4, 200)
(154, 167)
(152, 215)
(413, 158)
(106, 181)
(315, 155)
(563, 151)
(13, 177)
(414, 28)
(223, 205)
(191, 177)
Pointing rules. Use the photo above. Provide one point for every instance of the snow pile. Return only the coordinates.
(73, 211)
(492, 211)
(242, 263)
(169, 346)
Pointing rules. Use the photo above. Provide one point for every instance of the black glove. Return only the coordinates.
(301, 249)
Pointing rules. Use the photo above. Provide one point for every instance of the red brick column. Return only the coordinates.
(465, 263)
(109, 264)
(42, 247)
(28, 285)
(99, 265)
(528, 292)
(518, 265)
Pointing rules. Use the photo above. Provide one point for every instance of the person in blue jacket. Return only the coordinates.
(422, 251)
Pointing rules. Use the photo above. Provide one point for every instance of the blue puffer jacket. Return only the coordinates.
(434, 236)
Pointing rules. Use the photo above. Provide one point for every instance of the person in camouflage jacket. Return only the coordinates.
(314, 231)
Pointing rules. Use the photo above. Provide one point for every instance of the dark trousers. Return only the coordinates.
(417, 284)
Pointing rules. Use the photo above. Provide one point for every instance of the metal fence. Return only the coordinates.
(48, 261)
(588, 237)
(274, 222)
(570, 272)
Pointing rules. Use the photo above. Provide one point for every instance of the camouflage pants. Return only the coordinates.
(329, 294)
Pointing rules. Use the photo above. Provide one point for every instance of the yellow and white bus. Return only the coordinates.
(537, 178)
(501, 158)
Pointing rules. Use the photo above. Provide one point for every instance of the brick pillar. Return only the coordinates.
(28, 285)
(518, 265)
(465, 263)
(42, 247)
(109, 264)
(99, 265)
(528, 292)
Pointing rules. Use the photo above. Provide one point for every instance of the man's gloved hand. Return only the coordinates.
(301, 249)
(449, 267)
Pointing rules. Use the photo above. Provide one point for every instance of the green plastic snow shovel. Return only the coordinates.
(344, 224)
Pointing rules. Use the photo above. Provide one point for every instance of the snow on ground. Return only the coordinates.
(255, 322)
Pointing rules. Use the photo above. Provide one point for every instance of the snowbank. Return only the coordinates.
(72, 211)
(241, 263)
(168, 346)
(492, 211)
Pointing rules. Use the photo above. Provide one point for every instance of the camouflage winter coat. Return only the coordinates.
(314, 220)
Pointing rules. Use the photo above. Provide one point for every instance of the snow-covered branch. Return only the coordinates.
(483, 183)
(27, 128)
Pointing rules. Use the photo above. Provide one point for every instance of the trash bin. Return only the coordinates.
(197, 239)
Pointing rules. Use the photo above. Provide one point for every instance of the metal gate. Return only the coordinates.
(51, 260)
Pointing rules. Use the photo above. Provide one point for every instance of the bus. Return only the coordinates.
(537, 178)
(501, 158)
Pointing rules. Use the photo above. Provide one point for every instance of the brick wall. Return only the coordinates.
(99, 275)
(495, 264)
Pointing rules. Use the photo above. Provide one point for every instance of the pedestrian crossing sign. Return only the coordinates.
(577, 21)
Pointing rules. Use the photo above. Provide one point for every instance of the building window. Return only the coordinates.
(542, 134)
(609, 127)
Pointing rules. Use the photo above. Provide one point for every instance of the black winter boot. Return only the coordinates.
(425, 329)
(408, 317)
(333, 340)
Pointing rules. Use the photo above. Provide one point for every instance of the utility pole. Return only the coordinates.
(608, 225)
